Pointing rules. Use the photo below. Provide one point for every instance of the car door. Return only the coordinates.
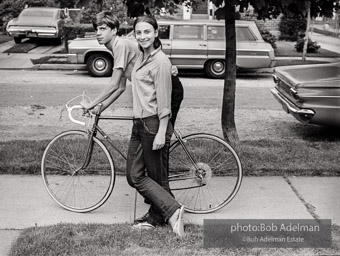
(252, 52)
(189, 47)
(216, 41)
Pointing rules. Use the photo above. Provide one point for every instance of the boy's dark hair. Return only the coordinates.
(106, 17)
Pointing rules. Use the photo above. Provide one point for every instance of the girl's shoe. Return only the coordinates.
(143, 225)
(178, 225)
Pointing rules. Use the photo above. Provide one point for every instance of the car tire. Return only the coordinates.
(215, 68)
(99, 64)
(17, 40)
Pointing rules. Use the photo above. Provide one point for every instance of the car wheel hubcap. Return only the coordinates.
(218, 67)
(100, 64)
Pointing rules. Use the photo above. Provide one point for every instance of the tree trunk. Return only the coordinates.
(228, 103)
(305, 45)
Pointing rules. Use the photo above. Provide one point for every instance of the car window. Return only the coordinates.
(164, 31)
(37, 13)
(188, 32)
(244, 34)
(216, 32)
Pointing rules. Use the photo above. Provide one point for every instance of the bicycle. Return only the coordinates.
(78, 170)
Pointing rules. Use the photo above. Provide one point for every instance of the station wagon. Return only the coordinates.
(190, 44)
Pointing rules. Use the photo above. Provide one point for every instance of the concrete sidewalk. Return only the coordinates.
(26, 203)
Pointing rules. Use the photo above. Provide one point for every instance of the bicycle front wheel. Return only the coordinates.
(205, 173)
(74, 185)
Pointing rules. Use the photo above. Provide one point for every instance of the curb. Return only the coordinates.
(61, 67)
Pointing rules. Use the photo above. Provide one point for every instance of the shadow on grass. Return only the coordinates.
(29, 44)
(316, 133)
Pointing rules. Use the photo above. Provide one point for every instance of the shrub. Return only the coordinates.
(292, 28)
(312, 46)
(72, 31)
(269, 37)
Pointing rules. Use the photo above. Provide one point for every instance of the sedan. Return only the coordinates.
(37, 22)
(310, 93)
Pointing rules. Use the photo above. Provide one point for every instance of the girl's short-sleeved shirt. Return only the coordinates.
(151, 85)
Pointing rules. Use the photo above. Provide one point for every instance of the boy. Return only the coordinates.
(125, 52)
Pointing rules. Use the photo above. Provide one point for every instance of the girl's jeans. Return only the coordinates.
(147, 169)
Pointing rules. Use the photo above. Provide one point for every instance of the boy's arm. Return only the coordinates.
(113, 97)
(109, 90)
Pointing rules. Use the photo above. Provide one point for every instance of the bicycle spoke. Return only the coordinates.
(214, 179)
(70, 183)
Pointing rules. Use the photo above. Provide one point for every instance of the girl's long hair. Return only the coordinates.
(152, 21)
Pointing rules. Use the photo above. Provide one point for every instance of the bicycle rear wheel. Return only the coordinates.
(73, 186)
(205, 174)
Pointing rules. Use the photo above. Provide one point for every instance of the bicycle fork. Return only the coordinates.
(89, 147)
(199, 172)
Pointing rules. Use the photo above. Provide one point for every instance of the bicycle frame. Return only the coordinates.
(93, 133)
(195, 162)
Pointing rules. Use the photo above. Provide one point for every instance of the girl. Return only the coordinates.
(151, 131)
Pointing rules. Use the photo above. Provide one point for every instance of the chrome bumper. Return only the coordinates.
(48, 33)
(301, 114)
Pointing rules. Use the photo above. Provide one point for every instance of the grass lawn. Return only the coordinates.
(120, 240)
(265, 157)
(286, 49)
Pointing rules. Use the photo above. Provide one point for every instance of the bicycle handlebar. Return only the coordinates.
(69, 112)
(71, 108)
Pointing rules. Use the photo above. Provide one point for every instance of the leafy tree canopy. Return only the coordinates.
(96, 6)
(272, 8)
(66, 3)
(140, 7)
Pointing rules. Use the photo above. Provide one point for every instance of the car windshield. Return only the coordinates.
(38, 13)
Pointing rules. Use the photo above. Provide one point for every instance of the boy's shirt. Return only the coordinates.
(125, 52)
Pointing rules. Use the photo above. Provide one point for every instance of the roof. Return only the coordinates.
(200, 21)
(41, 8)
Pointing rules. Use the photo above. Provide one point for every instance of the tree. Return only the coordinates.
(227, 11)
(66, 3)
(311, 9)
(96, 6)
(136, 8)
(304, 52)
